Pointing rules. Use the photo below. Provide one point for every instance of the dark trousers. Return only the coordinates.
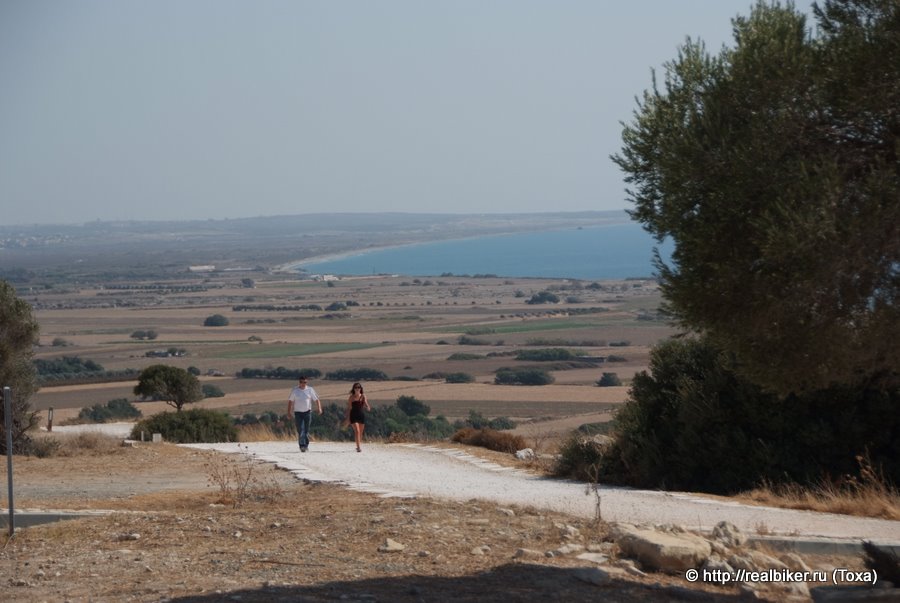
(303, 419)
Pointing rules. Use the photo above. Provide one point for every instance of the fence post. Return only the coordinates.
(50, 419)
(7, 415)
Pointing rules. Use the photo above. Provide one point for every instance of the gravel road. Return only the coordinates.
(421, 470)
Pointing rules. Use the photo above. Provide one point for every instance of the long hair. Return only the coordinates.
(355, 385)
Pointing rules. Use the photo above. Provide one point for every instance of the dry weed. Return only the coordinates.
(238, 483)
(76, 444)
(490, 439)
(870, 495)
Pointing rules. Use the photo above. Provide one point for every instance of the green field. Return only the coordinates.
(542, 325)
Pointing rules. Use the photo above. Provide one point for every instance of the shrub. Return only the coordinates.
(216, 320)
(459, 378)
(546, 355)
(609, 380)
(412, 406)
(490, 439)
(522, 376)
(335, 307)
(194, 371)
(119, 408)
(614, 358)
(212, 391)
(544, 297)
(580, 458)
(278, 373)
(469, 340)
(196, 425)
(464, 356)
(60, 342)
(693, 423)
(358, 374)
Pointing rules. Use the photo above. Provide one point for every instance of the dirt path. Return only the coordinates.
(450, 474)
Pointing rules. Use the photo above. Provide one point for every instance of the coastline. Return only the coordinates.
(297, 266)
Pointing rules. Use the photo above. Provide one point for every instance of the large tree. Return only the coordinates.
(773, 166)
(174, 385)
(18, 333)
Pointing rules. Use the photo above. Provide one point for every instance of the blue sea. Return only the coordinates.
(595, 253)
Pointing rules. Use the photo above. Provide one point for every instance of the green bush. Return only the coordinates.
(609, 380)
(212, 391)
(544, 297)
(580, 458)
(692, 423)
(464, 356)
(546, 355)
(459, 378)
(197, 425)
(358, 374)
(476, 420)
(522, 376)
(216, 320)
(119, 408)
(412, 406)
(279, 373)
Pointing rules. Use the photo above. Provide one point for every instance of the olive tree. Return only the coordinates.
(171, 384)
(18, 333)
(773, 166)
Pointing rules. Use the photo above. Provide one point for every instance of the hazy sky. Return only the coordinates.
(185, 109)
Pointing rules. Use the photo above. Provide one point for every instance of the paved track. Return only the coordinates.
(419, 470)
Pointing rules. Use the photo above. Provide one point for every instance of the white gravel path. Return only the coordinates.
(406, 470)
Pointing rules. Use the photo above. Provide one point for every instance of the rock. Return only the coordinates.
(507, 512)
(126, 537)
(593, 575)
(391, 546)
(795, 562)
(669, 552)
(729, 535)
(527, 554)
(568, 549)
(629, 567)
(597, 558)
(795, 589)
(526, 454)
(717, 564)
(763, 561)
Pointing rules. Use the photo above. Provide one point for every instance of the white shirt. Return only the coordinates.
(303, 398)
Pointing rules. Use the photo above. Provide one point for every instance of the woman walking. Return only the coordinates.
(355, 413)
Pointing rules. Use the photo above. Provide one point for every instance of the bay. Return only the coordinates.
(614, 251)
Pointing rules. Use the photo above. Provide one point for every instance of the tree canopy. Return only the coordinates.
(18, 333)
(171, 384)
(773, 166)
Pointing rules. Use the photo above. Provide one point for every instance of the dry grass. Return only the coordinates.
(77, 444)
(870, 495)
(239, 482)
(490, 439)
(260, 432)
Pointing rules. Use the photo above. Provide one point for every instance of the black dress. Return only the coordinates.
(356, 411)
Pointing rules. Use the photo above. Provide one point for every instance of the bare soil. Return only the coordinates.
(181, 533)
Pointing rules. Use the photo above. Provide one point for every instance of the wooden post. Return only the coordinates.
(50, 419)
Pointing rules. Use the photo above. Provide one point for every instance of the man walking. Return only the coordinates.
(300, 404)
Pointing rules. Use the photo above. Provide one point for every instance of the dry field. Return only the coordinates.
(185, 530)
(406, 327)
